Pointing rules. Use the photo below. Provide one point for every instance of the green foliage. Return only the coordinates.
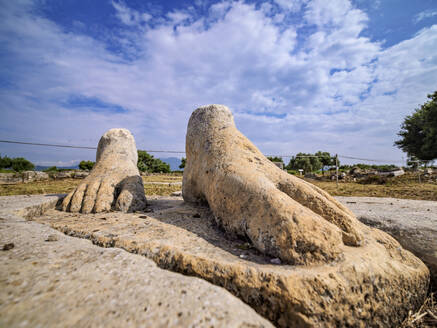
(147, 163)
(86, 165)
(183, 162)
(20, 164)
(380, 168)
(5, 162)
(306, 162)
(419, 131)
(275, 159)
(326, 159)
(51, 169)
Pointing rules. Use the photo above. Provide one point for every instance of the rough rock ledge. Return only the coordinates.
(48, 279)
(371, 286)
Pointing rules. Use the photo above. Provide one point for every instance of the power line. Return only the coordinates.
(81, 147)
(370, 160)
(183, 152)
(49, 145)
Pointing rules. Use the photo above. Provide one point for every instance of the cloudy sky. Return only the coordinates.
(299, 75)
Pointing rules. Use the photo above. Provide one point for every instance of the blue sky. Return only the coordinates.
(299, 76)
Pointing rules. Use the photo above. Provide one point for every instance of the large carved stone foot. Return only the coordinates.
(114, 182)
(282, 215)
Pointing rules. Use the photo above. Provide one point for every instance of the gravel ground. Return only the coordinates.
(409, 213)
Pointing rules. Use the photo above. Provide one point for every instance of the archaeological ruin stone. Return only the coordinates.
(374, 285)
(114, 182)
(282, 215)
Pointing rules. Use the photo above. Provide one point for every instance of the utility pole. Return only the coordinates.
(336, 169)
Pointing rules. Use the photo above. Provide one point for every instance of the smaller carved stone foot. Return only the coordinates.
(114, 182)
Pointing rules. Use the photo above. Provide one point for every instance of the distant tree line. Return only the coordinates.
(307, 162)
(380, 168)
(18, 164)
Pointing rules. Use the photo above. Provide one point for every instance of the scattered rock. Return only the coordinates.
(52, 238)
(177, 193)
(114, 182)
(275, 261)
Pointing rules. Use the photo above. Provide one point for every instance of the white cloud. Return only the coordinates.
(290, 90)
(424, 15)
(291, 5)
(129, 16)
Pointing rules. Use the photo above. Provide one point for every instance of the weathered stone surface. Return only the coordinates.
(10, 178)
(80, 174)
(114, 181)
(31, 176)
(62, 175)
(23, 177)
(282, 215)
(413, 223)
(372, 285)
(48, 279)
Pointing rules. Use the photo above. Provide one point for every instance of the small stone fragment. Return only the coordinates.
(275, 261)
(52, 238)
(176, 193)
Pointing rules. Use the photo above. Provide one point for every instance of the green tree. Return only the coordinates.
(326, 159)
(147, 163)
(5, 162)
(419, 131)
(183, 162)
(21, 164)
(275, 159)
(51, 169)
(306, 162)
(86, 165)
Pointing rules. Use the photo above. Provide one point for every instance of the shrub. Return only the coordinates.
(86, 165)
(5, 162)
(20, 164)
(148, 163)
(51, 169)
(373, 179)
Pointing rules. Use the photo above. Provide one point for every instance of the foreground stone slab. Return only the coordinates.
(413, 223)
(372, 285)
(48, 279)
(114, 182)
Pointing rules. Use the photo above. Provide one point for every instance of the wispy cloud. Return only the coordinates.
(424, 15)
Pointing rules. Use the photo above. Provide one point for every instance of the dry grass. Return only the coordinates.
(67, 185)
(40, 187)
(406, 187)
(412, 190)
(425, 317)
(162, 178)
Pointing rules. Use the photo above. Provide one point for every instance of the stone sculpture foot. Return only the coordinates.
(114, 182)
(282, 215)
